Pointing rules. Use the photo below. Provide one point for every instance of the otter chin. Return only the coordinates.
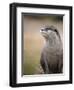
(52, 54)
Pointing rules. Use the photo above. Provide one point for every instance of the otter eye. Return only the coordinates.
(41, 29)
(47, 30)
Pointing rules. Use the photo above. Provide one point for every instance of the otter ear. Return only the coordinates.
(56, 30)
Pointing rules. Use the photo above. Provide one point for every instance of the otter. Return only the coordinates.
(52, 53)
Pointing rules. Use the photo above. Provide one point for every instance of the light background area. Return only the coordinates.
(4, 43)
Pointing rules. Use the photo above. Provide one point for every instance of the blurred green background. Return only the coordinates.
(33, 40)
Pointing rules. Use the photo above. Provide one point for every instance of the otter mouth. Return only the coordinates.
(43, 32)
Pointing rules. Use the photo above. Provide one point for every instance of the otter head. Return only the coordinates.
(49, 32)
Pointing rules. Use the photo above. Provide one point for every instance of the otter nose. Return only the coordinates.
(42, 29)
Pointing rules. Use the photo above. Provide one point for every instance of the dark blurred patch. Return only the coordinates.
(40, 17)
(59, 18)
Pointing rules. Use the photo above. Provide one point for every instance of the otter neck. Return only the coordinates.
(53, 41)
